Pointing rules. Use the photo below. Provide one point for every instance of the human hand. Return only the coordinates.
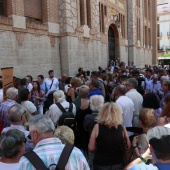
(135, 140)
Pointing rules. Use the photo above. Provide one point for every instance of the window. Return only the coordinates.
(105, 10)
(3, 7)
(101, 14)
(82, 13)
(149, 37)
(33, 9)
(138, 29)
(146, 43)
(145, 8)
(88, 9)
(149, 10)
(138, 3)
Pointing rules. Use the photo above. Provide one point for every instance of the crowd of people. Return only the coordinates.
(94, 111)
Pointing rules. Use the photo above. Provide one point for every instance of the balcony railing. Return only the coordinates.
(160, 34)
(160, 50)
(167, 47)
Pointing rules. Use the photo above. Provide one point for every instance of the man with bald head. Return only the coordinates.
(125, 104)
(62, 82)
(155, 85)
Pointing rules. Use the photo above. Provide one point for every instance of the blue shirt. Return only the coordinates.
(95, 92)
(43, 87)
(142, 166)
(155, 86)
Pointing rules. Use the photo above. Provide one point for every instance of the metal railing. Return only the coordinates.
(159, 34)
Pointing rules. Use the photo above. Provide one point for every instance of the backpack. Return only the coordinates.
(67, 118)
(39, 164)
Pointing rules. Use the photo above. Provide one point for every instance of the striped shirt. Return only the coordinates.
(49, 150)
(4, 108)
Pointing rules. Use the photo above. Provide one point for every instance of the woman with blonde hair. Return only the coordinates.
(107, 138)
(72, 94)
(147, 120)
(65, 134)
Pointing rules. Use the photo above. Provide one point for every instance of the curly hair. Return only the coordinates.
(147, 117)
(65, 134)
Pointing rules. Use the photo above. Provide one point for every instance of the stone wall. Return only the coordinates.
(84, 53)
(29, 54)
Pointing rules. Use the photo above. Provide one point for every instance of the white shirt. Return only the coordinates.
(66, 87)
(29, 106)
(54, 112)
(29, 87)
(19, 127)
(55, 85)
(8, 166)
(127, 108)
(137, 101)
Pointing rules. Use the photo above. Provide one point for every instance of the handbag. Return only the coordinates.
(126, 149)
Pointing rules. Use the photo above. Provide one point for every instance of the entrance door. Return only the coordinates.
(111, 44)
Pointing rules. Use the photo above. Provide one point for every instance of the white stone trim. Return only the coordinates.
(53, 28)
(19, 21)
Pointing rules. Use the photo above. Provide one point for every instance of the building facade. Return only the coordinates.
(163, 30)
(39, 35)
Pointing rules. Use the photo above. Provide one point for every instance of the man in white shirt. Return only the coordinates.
(54, 111)
(136, 97)
(52, 83)
(126, 106)
(29, 81)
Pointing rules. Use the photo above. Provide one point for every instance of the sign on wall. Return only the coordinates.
(113, 12)
(7, 79)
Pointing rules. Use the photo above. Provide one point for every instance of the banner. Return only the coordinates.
(7, 79)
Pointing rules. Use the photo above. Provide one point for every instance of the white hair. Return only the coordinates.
(11, 93)
(59, 96)
(42, 124)
(96, 102)
(163, 78)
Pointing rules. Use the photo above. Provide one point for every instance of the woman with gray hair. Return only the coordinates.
(96, 103)
(12, 147)
(54, 112)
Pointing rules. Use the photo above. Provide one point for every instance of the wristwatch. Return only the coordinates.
(143, 159)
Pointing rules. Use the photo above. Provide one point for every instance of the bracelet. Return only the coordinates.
(135, 146)
(143, 159)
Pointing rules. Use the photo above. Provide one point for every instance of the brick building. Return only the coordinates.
(39, 35)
